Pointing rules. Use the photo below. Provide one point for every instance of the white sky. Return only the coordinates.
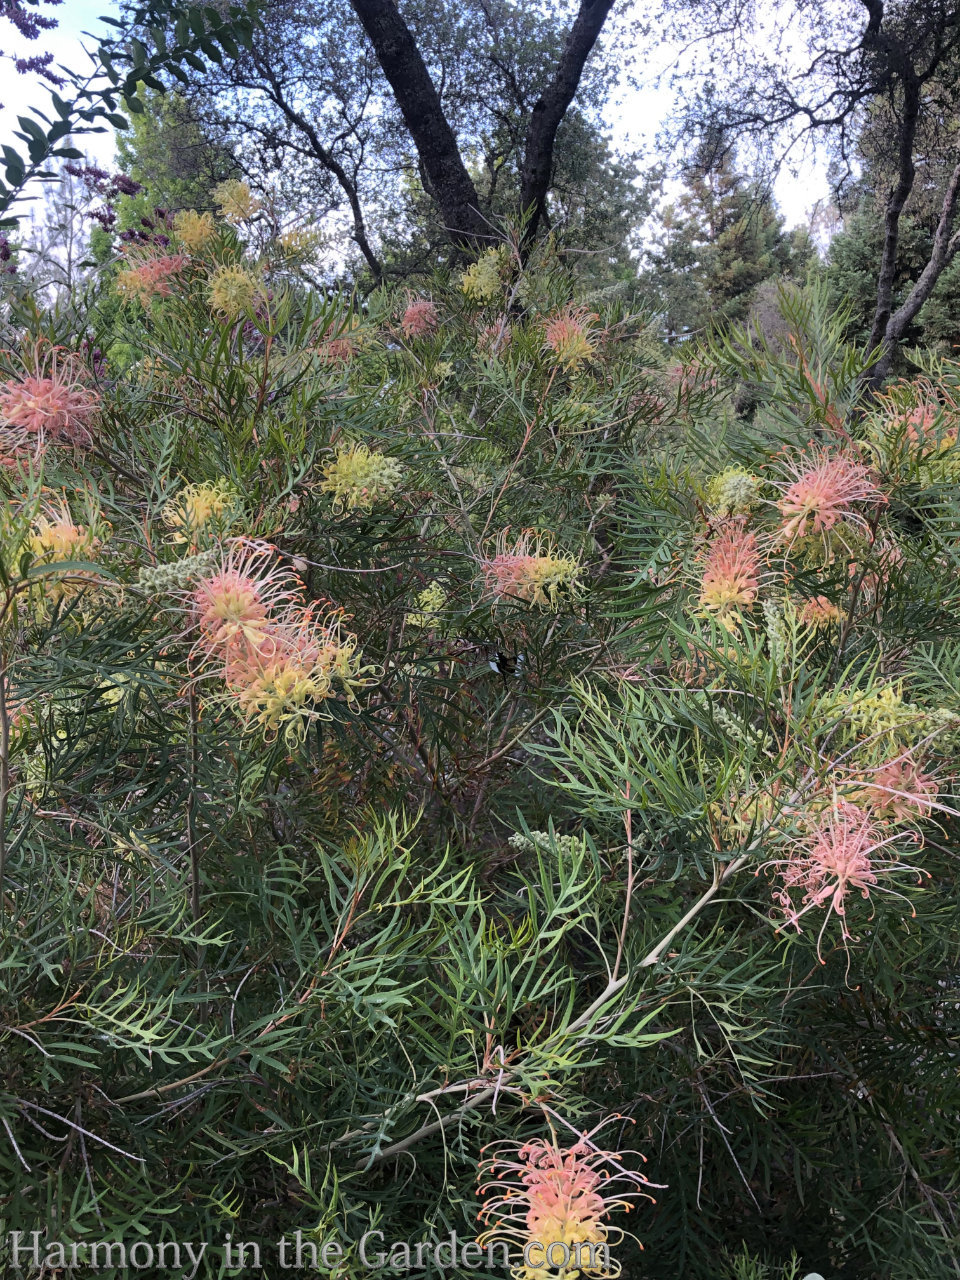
(635, 118)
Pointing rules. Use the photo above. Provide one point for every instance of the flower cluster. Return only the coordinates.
(551, 1202)
(278, 658)
(358, 478)
(731, 571)
(733, 492)
(543, 842)
(828, 486)
(340, 342)
(177, 574)
(883, 714)
(236, 201)
(150, 275)
(845, 849)
(430, 603)
(202, 510)
(819, 612)
(483, 280)
(493, 339)
(337, 351)
(51, 402)
(234, 292)
(419, 319)
(570, 335)
(532, 570)
(55, 539)
(899, 790)
(194, 230)
(299, 241)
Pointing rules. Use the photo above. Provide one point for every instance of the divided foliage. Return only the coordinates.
(433, 721)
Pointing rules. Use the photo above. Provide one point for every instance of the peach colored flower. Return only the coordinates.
(731, 570)
(234, 606)
(531, 569)
(293, 668)
(844, 849)
(551, 1202)
(900, 790)
(150, 276)
(278, 659)
(419, 319)
(570, 335)
(918, 421)
(51, 402)
(828, 486)
(819, 612)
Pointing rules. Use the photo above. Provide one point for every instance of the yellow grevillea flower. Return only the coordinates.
(200, 509)
(194, 230)
(236, 201)
(233, 291)
(358, 477)
(430, 603)
(55, 539)
(483, 280)
(734, 491)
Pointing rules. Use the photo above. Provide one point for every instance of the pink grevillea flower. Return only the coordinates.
(531, 569)
(150, 276)
(50, 403)
(900, 790)
(919, 421)
(278, 659)
(570, 335)
(731, 569)
(419, 319)
(844, 850)
(829, 486)
(279, 683)
(819, 612)
(551, 1202)
(235, 606)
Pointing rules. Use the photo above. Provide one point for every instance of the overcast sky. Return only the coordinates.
(635, 117)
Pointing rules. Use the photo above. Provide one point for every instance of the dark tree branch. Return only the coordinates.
(422, 111)
(946, 241)
(551, 107)
(906, 173)
(332, 165)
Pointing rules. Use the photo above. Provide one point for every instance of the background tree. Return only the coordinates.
(449, 116)
(893, 61)
(713, 246)
(170, 153)
(858, 247)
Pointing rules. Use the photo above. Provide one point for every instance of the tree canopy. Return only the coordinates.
(434, 119)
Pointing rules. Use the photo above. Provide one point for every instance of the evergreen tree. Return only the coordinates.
(718, 241)
(168, 151)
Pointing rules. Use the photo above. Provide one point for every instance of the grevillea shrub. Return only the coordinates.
(443, 749)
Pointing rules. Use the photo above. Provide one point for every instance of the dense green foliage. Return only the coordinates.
(713, 246)
(423, 722)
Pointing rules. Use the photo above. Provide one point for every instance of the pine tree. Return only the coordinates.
(719, 240)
